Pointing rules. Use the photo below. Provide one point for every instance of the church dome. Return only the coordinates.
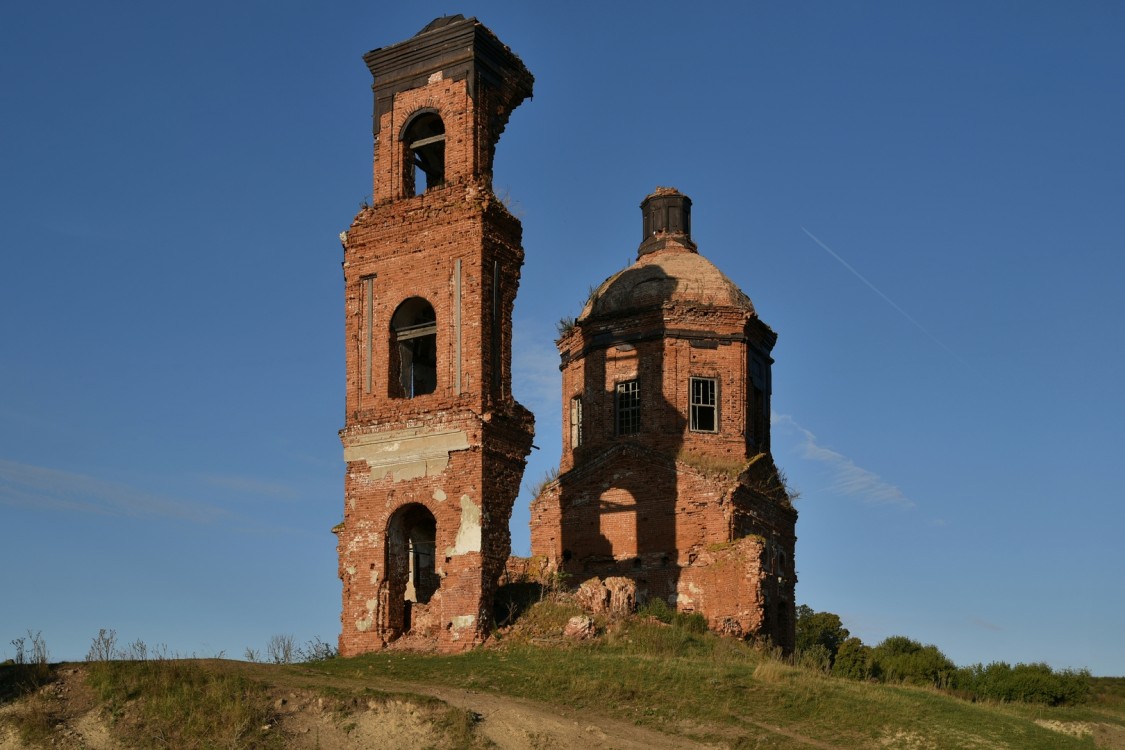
(668, 269)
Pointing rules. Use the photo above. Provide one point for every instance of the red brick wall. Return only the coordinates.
(660, 350)
(452, 242)
(633, 513)
(411, 247)
(653, 506)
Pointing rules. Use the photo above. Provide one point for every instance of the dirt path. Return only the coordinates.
(517, 724)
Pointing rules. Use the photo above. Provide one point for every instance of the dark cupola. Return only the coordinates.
(667, 216)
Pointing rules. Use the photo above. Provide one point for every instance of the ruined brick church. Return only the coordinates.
(666, 477)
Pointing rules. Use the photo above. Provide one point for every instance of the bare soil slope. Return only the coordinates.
(311, 707)
(66, 715)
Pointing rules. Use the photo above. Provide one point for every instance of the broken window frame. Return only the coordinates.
(575, 421)
(703, 396)
(627, 408)
(421, 555)
(414, 345)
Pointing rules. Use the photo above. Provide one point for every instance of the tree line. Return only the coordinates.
(824, 643)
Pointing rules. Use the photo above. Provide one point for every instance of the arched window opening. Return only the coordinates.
(414, 349)
(423, 144)
(411, 571)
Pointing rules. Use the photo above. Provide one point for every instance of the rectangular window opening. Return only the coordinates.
(628, 408)
(704, 405)
(575, 421)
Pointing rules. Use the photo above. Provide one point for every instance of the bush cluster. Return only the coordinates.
(823, 643)
(1028, 683)
(901, 659)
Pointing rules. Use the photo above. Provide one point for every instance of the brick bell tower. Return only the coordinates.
(434, 442)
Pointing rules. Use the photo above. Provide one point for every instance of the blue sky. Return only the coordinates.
(924, 200)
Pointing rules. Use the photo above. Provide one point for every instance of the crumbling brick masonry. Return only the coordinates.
(435, 444)
(666, 476)
(666, 487)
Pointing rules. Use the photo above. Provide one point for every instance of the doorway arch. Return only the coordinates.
(412, 576)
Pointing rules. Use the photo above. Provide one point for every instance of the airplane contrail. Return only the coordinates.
(887, 299)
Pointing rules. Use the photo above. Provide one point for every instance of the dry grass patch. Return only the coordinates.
(184, 705)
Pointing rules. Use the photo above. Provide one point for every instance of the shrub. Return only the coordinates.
(28, 670)
(104, 646)
(900, 659)
(822, 629)
(548, 476)
(855, 660)
(1029, 683)
(281, 649)
(692, 622)
(658, 609)
(815, 657)
(317, 650)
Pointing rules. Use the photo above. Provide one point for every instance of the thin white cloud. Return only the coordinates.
(980, 622)
(40, 487)
(846, 478)
(251, 485)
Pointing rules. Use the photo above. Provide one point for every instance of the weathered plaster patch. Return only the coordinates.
(468, 535)
(461, 622)
(365, 624)
(439, 495)
(351, 570)
(405, 454)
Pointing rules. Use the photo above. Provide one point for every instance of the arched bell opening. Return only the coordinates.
(423, 155)
(413, 349)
